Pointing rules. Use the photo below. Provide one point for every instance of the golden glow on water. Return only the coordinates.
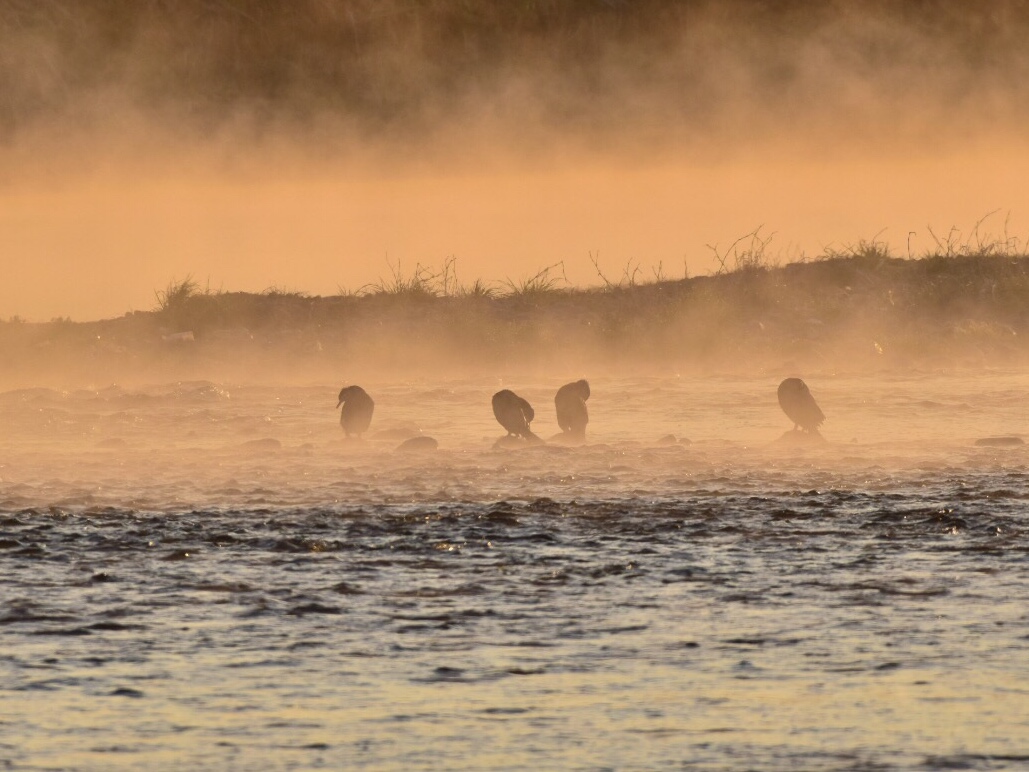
(207, 575)
(760, 610)
(644, 712)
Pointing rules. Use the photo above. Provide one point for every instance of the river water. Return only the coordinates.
(206, 575)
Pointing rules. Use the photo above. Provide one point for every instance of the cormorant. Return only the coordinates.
(356, 415)
(796, 401)
(572, 415)
(514, 414)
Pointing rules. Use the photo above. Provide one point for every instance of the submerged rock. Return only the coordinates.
(418, 445)
(568, 439)
(267, 443)
(397, 433)
(511, 442)
(1000, 442)
(800, 439)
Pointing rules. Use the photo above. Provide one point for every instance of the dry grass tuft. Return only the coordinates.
(855, 306)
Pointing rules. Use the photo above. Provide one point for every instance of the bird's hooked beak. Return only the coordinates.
(338, 404)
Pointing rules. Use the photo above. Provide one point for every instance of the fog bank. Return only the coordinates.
(313, 145)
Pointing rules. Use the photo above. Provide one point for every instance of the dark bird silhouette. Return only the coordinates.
(796, 401)
(514, 413)
(572, 415)
(356, 415)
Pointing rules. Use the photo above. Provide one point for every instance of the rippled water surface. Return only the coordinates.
(206, 575)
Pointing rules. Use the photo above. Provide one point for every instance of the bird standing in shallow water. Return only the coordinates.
(572, 415)
(356, 415)
(800, 407)
(514, 414)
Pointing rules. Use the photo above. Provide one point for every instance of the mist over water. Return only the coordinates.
(207, 573)
(199, 570)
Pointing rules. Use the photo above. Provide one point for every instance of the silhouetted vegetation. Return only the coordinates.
(851, 309)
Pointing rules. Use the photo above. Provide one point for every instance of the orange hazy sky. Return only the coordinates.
(317, 145)
(98, 244)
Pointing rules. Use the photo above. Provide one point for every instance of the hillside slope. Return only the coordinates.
(841, 314)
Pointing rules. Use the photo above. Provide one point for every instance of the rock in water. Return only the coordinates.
(418, 445)
(999, 442)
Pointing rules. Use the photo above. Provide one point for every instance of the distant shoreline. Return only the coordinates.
(862, 311)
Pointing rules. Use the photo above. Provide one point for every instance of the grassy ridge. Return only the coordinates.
(861, 310)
